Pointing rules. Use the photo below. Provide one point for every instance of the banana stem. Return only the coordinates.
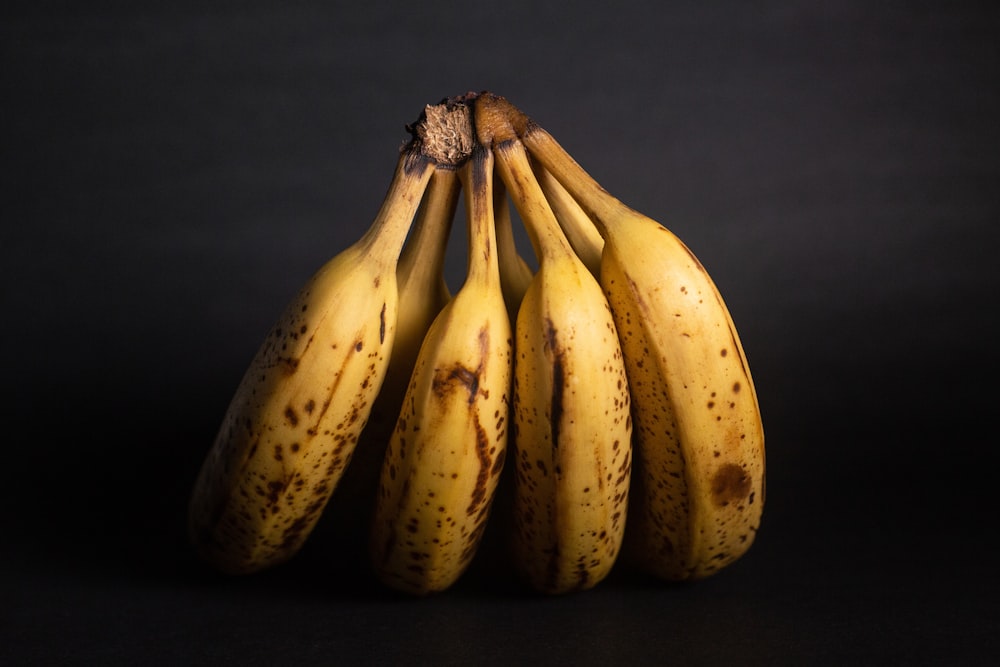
(579, 229)
(506, 245)
(477, 179)
(385, 237)
(603, 208)
(515, 273)
(442, 136)
(543, 229)
(423, 256)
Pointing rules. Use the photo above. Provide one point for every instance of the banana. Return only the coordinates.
(637, 429)
(699, 470)
(572, 437)
(446, 453)
(423, 292)
(293, 422)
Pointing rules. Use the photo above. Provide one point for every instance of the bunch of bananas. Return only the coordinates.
(609, 385)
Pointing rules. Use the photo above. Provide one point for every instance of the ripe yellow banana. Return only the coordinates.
(572, 437)
(445, 456)
(294, 421)
(292, 425)
(698, 489)
(423, 292)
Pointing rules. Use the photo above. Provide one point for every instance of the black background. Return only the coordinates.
(170, 175)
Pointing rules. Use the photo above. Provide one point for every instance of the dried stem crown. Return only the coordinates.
(445, 132)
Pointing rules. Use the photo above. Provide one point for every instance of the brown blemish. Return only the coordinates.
(381, 321)
(498, 462)
(274, 490)
(333, 389)
(483, 477)
(730, 484)
(446, 380)
(289, 365)
(558, 380)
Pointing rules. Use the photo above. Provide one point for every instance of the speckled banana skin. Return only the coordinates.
(698, 486)
(446, 454)
(292, 425)
(423, 292)
(572, 437)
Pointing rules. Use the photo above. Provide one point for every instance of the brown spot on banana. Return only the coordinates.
(480, 491)
(338, 377)
(447, 380)
(730, 484)
(558, 380)
(381, 322)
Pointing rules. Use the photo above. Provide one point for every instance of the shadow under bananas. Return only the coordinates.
(105, 501)
(100, 494)
(104, 488)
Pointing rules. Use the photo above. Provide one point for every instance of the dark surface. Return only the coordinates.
(168, 179)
